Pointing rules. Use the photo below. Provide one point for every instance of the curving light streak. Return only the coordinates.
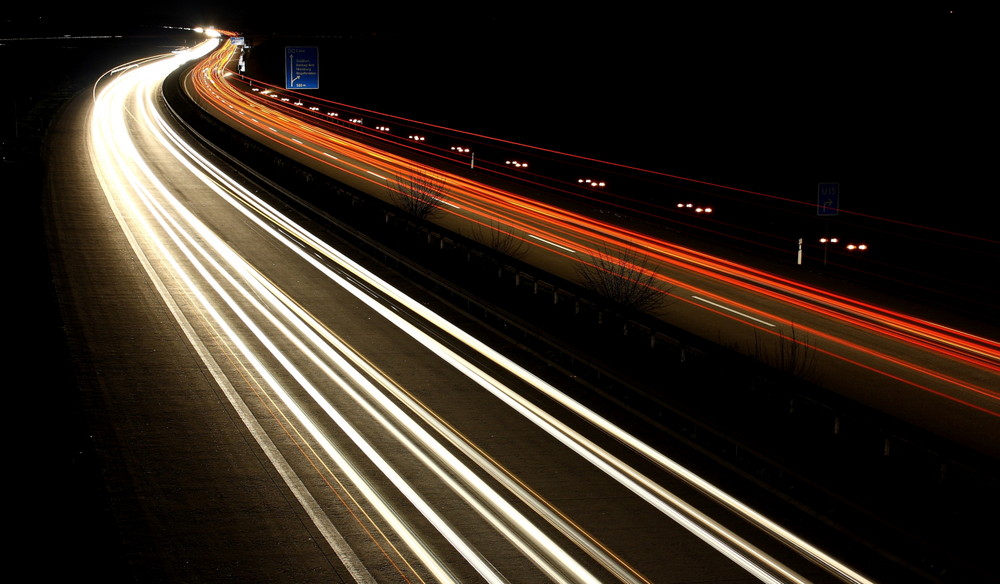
(206, 259)
(126, 190)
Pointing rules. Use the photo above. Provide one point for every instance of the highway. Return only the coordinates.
(378, 437)
(931, 375)
(404, 445)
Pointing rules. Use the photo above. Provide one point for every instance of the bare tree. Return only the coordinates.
(500, 238)
(795, 354)
(624, 276)
(417, 194)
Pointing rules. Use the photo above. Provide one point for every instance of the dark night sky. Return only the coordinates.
(892, 103)
(896, 104)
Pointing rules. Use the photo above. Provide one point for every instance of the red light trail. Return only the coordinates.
(961, 367)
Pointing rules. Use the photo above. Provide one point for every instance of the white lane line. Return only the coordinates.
(743, 314)
(545, 241)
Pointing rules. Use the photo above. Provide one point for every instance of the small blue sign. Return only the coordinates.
(301, 67)
(828, 199)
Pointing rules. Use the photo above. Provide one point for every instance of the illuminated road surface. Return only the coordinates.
(417, 451)
(938, 378)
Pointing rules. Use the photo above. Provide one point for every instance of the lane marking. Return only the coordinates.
(744, 315)
(551, 243)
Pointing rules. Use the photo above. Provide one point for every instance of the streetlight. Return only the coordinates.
(591, 182)
(825, 241)
(517, 164)
(696, 208)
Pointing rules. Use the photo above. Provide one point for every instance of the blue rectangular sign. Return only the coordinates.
(301, 67)
(828, 199)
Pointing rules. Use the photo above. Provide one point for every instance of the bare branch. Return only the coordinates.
(417, 194)
(624, 276)
(795, 354)
(500, 238)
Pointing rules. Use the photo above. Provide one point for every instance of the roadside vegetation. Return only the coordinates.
(417, 194)
(626, 277)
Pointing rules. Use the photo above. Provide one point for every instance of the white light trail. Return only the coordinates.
(192, 237)
(118, 188)
(219, 279)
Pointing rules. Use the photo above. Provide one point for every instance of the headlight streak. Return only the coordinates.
(542, 544)
(115, 186)
(498, 389)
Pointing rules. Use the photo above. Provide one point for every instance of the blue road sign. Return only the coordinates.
(828, 199)
(301, 67)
